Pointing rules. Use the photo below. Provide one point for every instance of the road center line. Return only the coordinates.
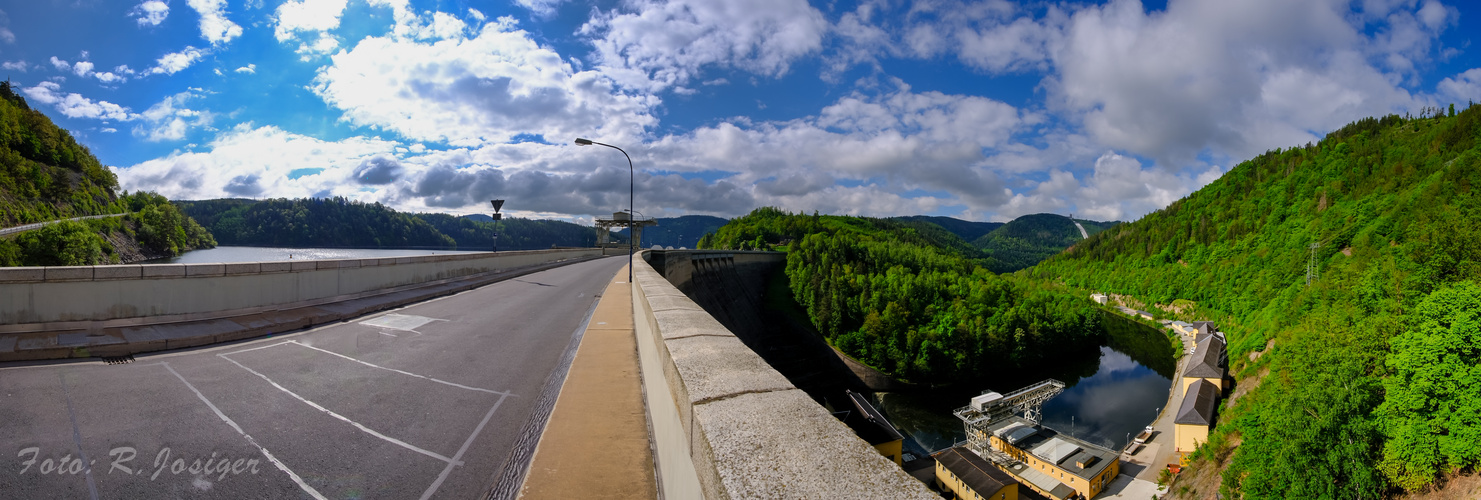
(459, 456)
(372, 365)
(357, 425)
(306, 488)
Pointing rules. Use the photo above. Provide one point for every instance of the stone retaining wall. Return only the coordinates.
(727, 425)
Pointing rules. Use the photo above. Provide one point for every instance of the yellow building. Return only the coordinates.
(1055, 465)
(1207, 363)
(968, 477)
(1195, 415)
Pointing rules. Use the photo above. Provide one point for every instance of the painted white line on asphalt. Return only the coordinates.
(306, 488)
(373, 365)
(331, 413)
(382, 332)
(260, 347)
(448, 470)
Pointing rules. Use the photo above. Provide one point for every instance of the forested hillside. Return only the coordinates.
(912, 299)
(1029, 239)
(341, 223)
(967, 230)
(45, 175)
(1367, 381)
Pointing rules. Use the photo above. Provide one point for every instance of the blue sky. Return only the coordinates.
(979, 110)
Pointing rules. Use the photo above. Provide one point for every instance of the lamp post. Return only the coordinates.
(631, 232)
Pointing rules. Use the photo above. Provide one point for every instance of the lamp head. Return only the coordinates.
(583, 142)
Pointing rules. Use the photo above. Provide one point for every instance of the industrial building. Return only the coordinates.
(1195, 415)
(1055, 465)
(967, 476)
(1208, 361)
(1204, 380)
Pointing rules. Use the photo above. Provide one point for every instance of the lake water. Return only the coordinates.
(1120, 396)
(269, 254)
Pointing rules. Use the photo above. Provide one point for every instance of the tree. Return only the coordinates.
(1432, 414)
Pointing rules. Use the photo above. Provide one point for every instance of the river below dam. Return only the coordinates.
(226, 254)
(1111, 393)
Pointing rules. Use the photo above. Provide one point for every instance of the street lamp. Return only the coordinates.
(631, 232)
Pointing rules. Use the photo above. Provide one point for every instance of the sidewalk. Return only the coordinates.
(596, 444)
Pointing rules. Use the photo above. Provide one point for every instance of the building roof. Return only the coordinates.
(980, 475)
(1208, 359)
(1181, 324)
(1204, 327)
(1198, 404)
(1071, 454)
(867, 422)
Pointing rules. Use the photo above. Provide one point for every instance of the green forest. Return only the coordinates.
(1367, 380)
(1029, 239)
(341, 223)
(912, 299)
(45, 175)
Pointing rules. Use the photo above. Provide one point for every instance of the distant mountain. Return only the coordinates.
(679, 231)
(968, 230)
(337, 222)
(1030, 239)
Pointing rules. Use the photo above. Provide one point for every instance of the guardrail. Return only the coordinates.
(39, 225)
(727, 425)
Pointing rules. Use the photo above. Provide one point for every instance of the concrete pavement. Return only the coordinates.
(427, 401)
(597, 442)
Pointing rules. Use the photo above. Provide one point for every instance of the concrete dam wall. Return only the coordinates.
(726, 424)
(732, 287)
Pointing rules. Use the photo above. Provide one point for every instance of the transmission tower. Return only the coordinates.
(1312, 273)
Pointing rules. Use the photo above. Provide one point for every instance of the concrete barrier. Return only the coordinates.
(58, 298)
(727, 425)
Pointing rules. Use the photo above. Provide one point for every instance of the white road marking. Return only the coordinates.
(373, 365)
(258, 347)
(331, 413)
(457, 457)
(306, 488)
(382, 332)
(406, 322)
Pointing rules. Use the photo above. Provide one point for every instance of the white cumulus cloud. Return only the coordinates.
(307, 15)
(466, 91)
(73, 105)
(215, 27)
(151, 12)
(176, 62)
(665, 43)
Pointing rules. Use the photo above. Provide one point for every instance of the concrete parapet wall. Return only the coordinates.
(60, 298)
(727, 425)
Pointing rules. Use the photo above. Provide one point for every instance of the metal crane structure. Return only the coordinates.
(991, 407)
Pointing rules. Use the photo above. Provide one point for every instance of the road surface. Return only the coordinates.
(39, 225)
(428, 401)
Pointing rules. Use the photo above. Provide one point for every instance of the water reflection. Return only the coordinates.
(1108, 394)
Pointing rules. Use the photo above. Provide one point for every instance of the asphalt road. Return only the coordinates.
(427, 401)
